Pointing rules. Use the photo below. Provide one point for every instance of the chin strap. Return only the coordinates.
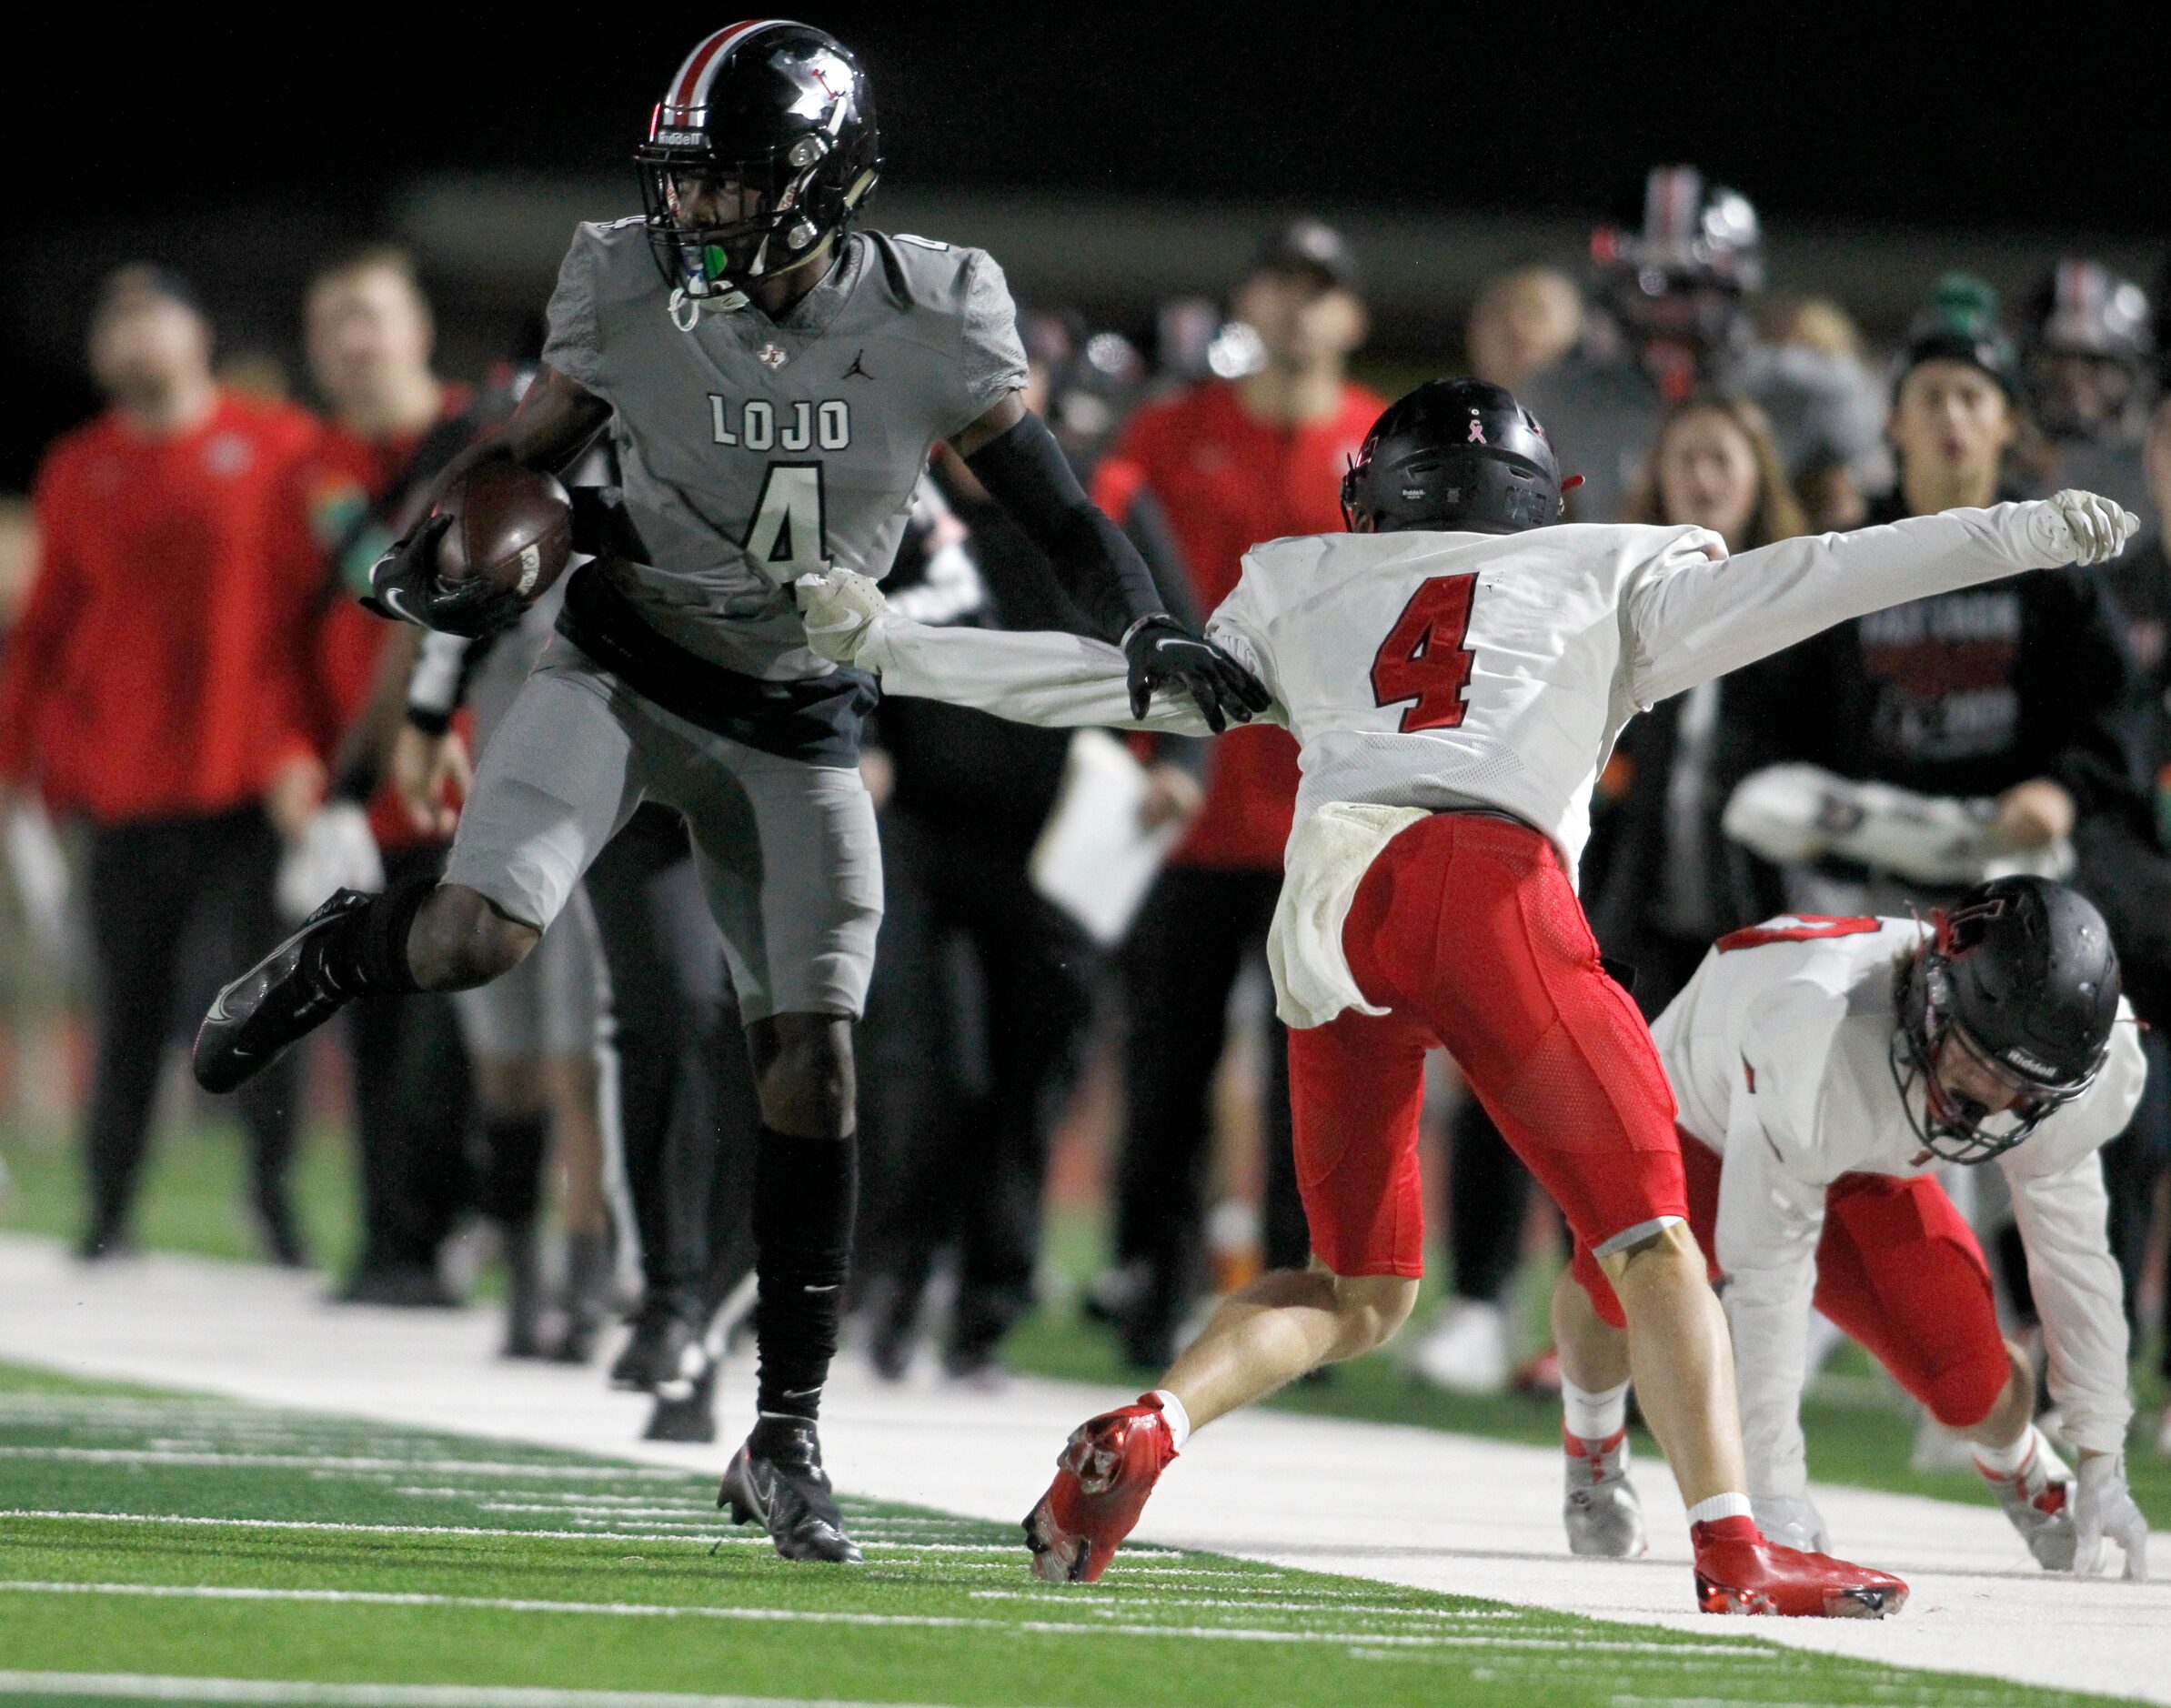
(687, 309)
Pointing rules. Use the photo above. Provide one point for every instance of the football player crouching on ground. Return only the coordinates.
(773, 380)
(1823, 1066)
(1456, 670)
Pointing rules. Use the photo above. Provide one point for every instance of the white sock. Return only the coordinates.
(1173, 1415)
(1594, 1417)
(1720, 1506)
(2005, 1461)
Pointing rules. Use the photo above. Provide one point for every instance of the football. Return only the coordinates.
(510, 525)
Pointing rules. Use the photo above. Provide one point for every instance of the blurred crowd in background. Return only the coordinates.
(202, 732)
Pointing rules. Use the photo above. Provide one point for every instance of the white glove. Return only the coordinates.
(840, 607)
(334, 851)
(2104, 1507)
(1792, 1521)
(2080, 527)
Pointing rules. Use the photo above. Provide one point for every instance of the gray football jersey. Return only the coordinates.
(753, 451)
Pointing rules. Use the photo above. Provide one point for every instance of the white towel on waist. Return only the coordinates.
(1326, 860)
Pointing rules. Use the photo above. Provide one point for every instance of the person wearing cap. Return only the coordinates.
(1672, 317)
(2017, 697)
(156, 689)
(2086, 370)
(1966, 735)
(2135, 1163)
(1231, 461)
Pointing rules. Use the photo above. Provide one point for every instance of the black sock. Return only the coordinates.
(804, 1191)
(510, 1186)
(369, 951)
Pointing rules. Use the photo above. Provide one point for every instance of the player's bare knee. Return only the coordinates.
(803, 1073)
(1667, 1260)
(461, 939)
(1371, 1309)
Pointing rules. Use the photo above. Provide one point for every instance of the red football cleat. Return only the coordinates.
(1738, 1571)
(1102, 1477)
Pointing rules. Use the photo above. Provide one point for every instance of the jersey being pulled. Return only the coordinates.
(1421, 671)
(1779, 1050)
(755, 451)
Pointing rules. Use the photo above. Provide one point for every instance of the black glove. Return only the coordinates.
(1161, 654)
(405, 586)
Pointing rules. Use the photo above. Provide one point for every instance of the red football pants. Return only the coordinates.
(1467, 931)
(1897, 1268)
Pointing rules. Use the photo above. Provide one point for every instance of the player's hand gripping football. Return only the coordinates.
(1161, 654)
(405, 585)
(2081, 527)
(2103, 1508)
(838, 609)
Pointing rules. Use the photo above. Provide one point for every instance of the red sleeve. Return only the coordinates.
(298, 570)
(1127, 470)
(32, 664)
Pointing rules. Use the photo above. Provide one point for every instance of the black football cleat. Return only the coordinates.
(664, 1347)
(284, 997)
(685, 1409)
(776, 1479)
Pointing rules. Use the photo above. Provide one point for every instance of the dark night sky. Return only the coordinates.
(1456, 107)
(1469, 108)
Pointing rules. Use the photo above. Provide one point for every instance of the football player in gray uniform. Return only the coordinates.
(772, 381)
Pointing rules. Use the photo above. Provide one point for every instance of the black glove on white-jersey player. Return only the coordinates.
(1024, 470)
(1163, 653)
(404, 584)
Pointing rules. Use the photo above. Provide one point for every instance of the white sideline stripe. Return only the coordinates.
(317, 1462)
(923, 1621)
(153, 1687)
(726, 1539)
(1056, 1598)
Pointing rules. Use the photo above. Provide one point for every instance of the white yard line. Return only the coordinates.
(1414, 1507)
(1092, 1625)
(163, 1687)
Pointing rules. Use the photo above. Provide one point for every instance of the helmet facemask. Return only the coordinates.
(756, 160)
(714, 262)
(1951, 1124)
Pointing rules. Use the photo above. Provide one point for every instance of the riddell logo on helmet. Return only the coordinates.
(681, 139)
(2034, 1065)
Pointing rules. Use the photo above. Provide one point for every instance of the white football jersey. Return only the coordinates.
(1442, 669)
(1779, 1050)
(1421, 671)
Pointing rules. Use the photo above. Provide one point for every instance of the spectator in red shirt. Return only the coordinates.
(155, 688)
(1232, 462)
(394, 426)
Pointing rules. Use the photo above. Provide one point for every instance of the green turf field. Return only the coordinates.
(172, 1538)
(1857, 1428)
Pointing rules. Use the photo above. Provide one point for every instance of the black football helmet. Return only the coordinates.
(2020, 972)
(781, 113)
(2088, 351)
(1684, 276)
(1458, 455)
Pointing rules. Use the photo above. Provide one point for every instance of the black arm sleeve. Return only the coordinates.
(1025, 471)
(1148, 526)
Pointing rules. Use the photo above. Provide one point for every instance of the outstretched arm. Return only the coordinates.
(1056, 680)
(1691, 619)
(1011, 452)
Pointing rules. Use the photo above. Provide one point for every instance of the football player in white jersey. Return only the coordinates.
(1822, 1067)
(1456, 671)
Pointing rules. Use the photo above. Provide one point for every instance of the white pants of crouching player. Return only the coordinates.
(785, 851)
